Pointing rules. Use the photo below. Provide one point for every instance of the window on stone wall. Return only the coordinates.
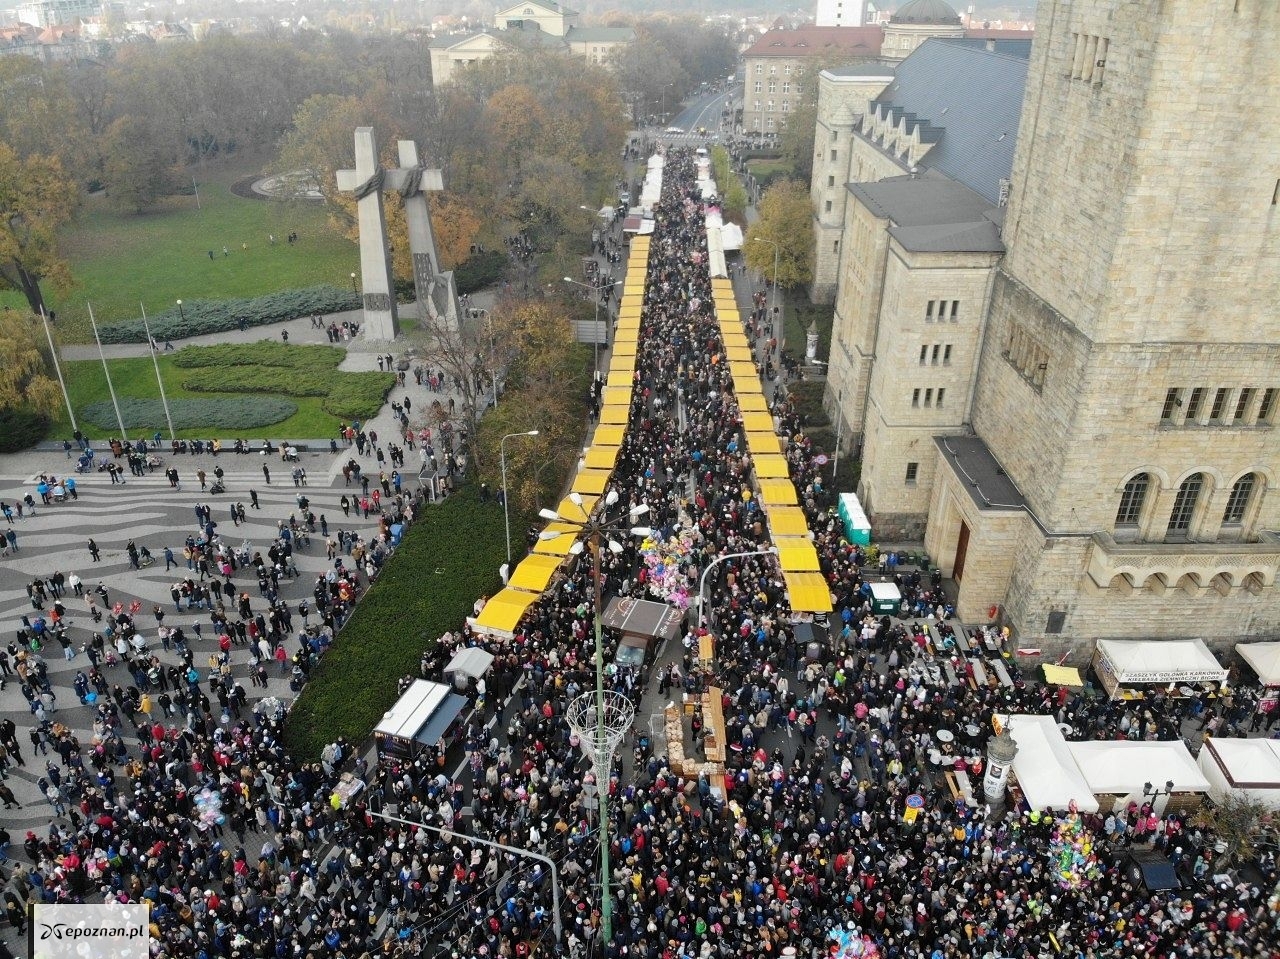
(946, 355)
(1238, 501)
(828, 206)
(1170, 403)
(1242, 404)
(915, 397)
(942, 392)
(1219, 405)
(1195, 403)
(924, 353)
(1268, 405)
(831, 180)
(937, 352)
(1184, 506)
(913, 471)
(1027, 356)
(1132, 498)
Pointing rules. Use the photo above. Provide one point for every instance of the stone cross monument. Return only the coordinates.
(435, 290)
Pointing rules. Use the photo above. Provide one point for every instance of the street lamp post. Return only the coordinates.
(702, 582)
(595, 328)
(593, 528)
(353, 283)
(506, 511)
(773, 294)
(1154, 793)
(181, 314)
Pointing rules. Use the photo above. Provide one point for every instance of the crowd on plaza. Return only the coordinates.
(194, 806)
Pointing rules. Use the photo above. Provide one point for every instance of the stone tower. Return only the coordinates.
(1129, 381)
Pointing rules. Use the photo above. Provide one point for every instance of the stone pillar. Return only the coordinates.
(380, 319)
(1001, 751)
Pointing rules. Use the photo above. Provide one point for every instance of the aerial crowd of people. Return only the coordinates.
(243, 850)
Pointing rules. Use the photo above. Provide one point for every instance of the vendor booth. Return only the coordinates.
(1118, 772)
(420, 720)
(1264, 660)
(644, 625)
(468, 666)
(1128, 669)
(1249, 766)
(1044, 772)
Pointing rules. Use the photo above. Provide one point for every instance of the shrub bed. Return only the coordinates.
(262, 353)
(21, 428)
(229, 415)
(448, 558)
(218, 316)
(345, 395)
(480, 270)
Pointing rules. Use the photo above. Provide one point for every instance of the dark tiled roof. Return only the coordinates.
(818, 42)
(989, 486)
(932, 214)
(974, 96)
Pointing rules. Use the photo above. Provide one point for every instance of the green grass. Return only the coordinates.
(121, 259)
(799, 314)
(135, 377)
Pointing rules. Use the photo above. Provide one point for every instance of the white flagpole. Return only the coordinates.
(124, 435)
(57, 368)
(156, 363)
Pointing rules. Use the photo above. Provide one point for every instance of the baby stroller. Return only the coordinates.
(217, 486)
(85, 463)
(145, 558)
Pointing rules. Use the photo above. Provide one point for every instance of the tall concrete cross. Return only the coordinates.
(369, 181)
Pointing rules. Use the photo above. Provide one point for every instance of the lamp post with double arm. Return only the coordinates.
(506, 510)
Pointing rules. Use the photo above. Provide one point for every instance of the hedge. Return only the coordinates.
(448, 558)
(480, 270)
(21, 429)
(348, 396)
(248, 412)
(218, 316)
(261, 353)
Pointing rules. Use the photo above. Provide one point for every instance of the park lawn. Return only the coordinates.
(119, 260)
(763, 169)
(135, 377)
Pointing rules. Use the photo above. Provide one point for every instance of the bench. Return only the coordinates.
(953, 786)
(966, 787)
(950, 673)
(979, 672)
(962, 641)
(1002, 673)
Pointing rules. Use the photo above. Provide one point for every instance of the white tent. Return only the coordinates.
(471, 662)
(1122, 768)
(731, 237)
(1044, 768)
(1249, 766)
(1167, 662)
(1265, 660)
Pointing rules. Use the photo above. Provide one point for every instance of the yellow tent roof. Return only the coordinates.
(763, 444)
(609, 435)
(754, 403)
(625, 350)
(739, 353)
(796, 554)
(777, 492)
(807, 592)
(1061, 675)
(535, 572)
(572, 512)
(590, 481)
(616, 396)
(601, 457)
(721, 283)
(744, 370)
(615, 414)
(757, 422)
(503, 611)
(787, 521)
(770, 466)
(629, 310)
(560, 545)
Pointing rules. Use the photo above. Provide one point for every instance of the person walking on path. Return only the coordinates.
(253, 497)
(266, 474)
(93, 552)
(12, 537)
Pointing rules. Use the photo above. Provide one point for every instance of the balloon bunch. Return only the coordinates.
(1071, 852)
(209, 808)
(666, 563)
(851, 943)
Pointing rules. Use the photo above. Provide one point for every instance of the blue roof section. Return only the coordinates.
(969, 100)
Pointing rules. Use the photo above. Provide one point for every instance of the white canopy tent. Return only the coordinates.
(1121, 769)
(715, 247)
(1044, 768)
(1171, 662)
(1264, 658)
(1249, 766)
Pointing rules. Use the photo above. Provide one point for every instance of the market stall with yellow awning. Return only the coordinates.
(739, 353)
(600, 457)
(777, 492)
(754, 403)
(615, 414)
(559, 545)
(572, 511)
(757, 422)
(763, 444)
(503, 611)
(609, 435)
(807, 592)
(535, 572)
(616, 396)
(770, 466)
(796, 554)
(787, 521)
(590, 481)
(621, 378)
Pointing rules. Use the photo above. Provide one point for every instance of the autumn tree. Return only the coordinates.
(36, 198)
(1243, 824)
(786, 219)
(139, 165)
(28, 394)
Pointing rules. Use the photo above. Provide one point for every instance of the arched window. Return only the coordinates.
(1184, 506)
(1132, 499)
(1239, 500)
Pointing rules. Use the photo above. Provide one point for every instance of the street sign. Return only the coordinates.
(821, 459)
(915, 801)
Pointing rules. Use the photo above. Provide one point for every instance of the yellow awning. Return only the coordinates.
(590, 481)
(616, 396)
(560, 545)
(744, 371)
(627, 330)
(601, 457)
(1061, 675)
(609, 435)
(777, 492)
(796, 554)
(615, 414)
(721, 283)
(787, 521)
(625, 350)
(754, 403)
(739, 353)
(807, 592)
(619, 379)
(577, 514)
(763, 444)
(757, 422)
(629, 311)
(770, 466)
(503, 611)
(535, 572)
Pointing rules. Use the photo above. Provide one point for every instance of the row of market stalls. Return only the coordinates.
(503, 612)
(639, 219)
(807, 590)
